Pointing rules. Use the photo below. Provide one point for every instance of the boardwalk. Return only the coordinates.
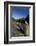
(19, 29)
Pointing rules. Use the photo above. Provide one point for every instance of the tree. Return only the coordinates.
(22, 20)
(27, 19)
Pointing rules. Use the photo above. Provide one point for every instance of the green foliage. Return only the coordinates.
(22, 20)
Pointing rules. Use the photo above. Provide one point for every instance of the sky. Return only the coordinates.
(19, 12)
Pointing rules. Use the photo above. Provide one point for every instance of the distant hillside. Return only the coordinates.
(22, 20)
